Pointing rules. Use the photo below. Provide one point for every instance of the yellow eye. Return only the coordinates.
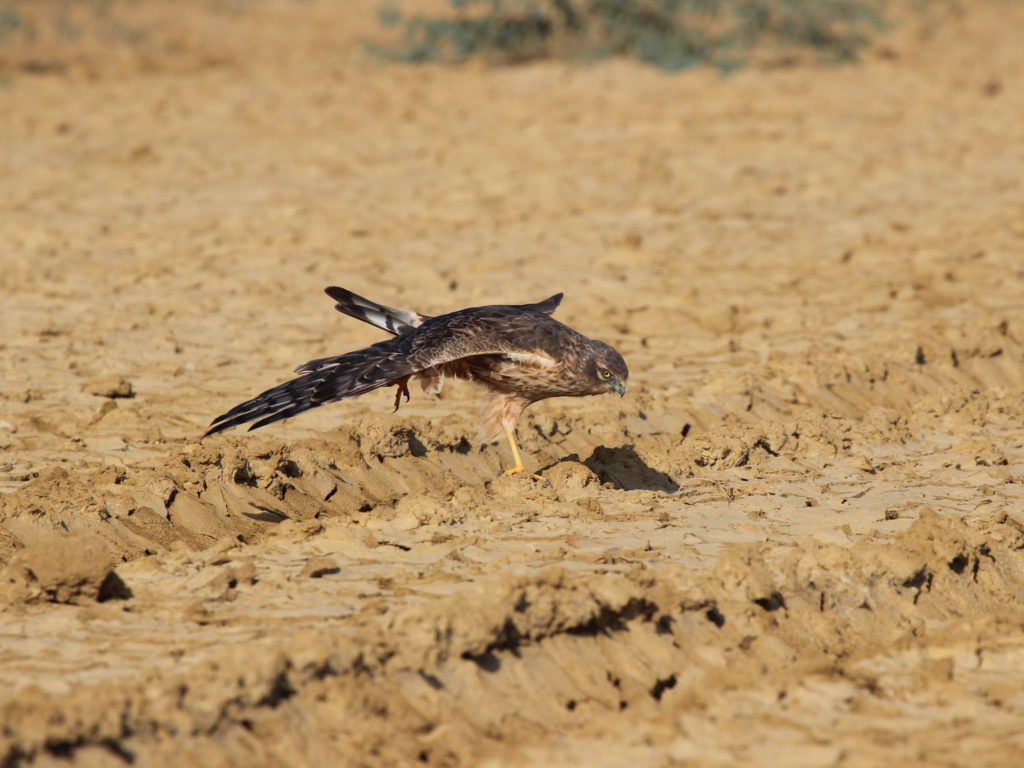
(605, 373)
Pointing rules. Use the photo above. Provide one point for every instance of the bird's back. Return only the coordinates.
(493, 329)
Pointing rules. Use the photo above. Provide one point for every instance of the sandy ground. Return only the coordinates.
(799, 540)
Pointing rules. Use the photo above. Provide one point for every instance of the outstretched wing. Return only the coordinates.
(524, 334)
(399, 321)
(332, 378)
(515, 333)
(390, 319)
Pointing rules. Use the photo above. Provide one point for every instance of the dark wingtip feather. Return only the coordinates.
(549, 304)
(223, 423)
(284, 413)
(218, 424)
(337, 293)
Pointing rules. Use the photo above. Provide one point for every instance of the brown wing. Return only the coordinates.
(325, 380)
(495, 332)
(398, 321)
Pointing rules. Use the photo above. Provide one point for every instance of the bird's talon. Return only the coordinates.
(403, 389)
(519, 468)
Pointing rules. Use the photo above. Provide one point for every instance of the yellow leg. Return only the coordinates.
(515, 454)
(519, 462)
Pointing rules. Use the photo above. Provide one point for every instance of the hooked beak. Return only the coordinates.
(619, 387)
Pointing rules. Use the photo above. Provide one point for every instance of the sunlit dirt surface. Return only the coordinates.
(797, 541)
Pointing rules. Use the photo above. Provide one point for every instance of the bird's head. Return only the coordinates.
(606, 369)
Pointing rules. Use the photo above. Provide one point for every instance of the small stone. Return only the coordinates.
(110, 386)
(318, 567)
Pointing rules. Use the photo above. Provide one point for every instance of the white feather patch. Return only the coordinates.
(535, 359)
(376, 317)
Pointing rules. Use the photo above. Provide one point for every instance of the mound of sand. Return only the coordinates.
(61, 568)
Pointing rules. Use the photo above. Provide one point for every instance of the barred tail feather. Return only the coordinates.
(390, 319)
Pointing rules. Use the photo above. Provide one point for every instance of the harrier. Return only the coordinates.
(518, 352)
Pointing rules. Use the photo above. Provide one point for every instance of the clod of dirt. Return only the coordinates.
(110, 386)
(62, 568)
(245, 572)
(318, 567)
(221, 582)
(981, 453)
(572, 478)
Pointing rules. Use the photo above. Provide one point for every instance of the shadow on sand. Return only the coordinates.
(623, 468)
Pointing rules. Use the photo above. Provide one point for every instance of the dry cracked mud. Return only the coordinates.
(799, 540)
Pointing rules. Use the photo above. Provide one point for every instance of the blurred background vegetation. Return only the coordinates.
(671, 34)
(37, 35)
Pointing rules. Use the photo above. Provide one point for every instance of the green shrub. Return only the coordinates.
(672, 34)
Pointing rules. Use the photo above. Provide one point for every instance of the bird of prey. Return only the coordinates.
(518, 352)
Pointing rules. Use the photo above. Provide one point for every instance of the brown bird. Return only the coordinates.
(518, 352)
